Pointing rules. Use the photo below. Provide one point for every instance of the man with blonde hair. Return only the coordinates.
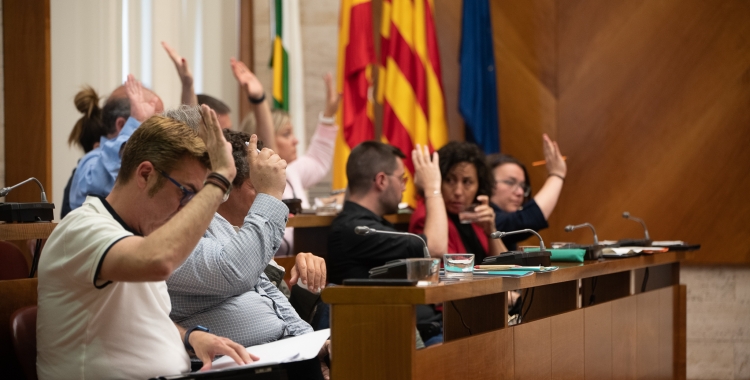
(103, 302)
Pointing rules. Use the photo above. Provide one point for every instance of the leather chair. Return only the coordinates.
(23, 333)
(14, 264)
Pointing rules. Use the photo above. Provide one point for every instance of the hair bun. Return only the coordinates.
(87, 102)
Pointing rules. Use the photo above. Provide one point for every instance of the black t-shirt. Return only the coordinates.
(530, 216)
(352, 256)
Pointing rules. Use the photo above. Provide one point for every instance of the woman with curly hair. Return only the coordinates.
(466, 188)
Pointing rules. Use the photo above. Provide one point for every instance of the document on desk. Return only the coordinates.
(503, 273)
(298, 348)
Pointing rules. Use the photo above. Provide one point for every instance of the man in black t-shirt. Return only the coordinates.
(376, 176)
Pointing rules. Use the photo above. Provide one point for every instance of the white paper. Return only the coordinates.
(666, 243)
(302, 347)
(624, 250)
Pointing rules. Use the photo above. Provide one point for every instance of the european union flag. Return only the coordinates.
(478, 94)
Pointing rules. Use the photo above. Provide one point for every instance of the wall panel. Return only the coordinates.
(648, 99)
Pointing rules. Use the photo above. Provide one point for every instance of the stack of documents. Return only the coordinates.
(511, 270)
(298, 348)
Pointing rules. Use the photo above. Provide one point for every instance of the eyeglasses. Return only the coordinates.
(187, 194)
(517, 185)
(403, 178)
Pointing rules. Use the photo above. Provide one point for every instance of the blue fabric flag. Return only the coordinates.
(478, 94)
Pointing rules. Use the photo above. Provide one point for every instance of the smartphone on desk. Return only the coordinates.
(379, 282)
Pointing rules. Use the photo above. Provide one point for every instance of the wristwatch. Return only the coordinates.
(186, 339)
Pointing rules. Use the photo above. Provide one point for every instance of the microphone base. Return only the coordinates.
(11, 212)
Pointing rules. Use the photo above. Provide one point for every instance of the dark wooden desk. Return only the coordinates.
(620, 332)
(311, 231)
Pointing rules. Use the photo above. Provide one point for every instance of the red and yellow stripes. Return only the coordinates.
(410, 87)
(353, 80)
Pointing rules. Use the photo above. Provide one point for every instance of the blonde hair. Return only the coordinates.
(163, 142)
(280, 118)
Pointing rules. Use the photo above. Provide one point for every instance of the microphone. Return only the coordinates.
(571, 227)
(364, 230)
(499, 234)
(6, 190)
(627, 215)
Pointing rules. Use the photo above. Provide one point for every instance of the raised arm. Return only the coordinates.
(255, 94)
(186, 77)
(156, 256)
(548, 195)
(427, 177)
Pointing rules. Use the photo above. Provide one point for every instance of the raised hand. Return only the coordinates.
(426, 172)
(140, 108)
(219, 150)
(186, 77)
(247, 80)
(332, 98)
(310, 270)
(554, 160)
(207, 346)
(267, 170)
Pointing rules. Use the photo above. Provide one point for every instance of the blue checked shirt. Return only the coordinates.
(222, 286)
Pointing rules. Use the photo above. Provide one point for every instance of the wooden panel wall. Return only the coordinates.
(649, 100)
(28, 120)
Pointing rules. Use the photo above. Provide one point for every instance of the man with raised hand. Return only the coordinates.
(103, 301)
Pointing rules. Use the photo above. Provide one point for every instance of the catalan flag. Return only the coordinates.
(410, 85)
(286, 61)
(353, 80)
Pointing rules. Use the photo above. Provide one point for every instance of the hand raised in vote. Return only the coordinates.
(219, 150)
(267, 170)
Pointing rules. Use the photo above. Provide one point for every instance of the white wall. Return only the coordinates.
(87, 48)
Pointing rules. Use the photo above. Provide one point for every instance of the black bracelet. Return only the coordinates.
(557, 175)
(221, 178)
(259, 100)
(186, 339)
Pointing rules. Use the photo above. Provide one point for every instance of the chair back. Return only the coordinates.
(13, 264)
(23, 333)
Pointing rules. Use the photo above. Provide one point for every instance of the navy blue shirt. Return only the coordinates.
(530, 216)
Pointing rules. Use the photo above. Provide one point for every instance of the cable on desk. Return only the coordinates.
(461, 317)
(592, 297)
(531, 300)
(645, 281)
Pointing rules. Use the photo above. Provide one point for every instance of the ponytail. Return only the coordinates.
(89, 128)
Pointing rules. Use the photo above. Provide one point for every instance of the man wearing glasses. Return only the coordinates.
(514, 208)
(376, 176)
(103, 301)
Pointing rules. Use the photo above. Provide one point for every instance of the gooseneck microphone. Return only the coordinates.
(5, 190)
(499, 234)
(364, 230)
(627, 215)
(571, 227)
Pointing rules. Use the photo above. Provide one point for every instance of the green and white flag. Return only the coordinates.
(288, 87)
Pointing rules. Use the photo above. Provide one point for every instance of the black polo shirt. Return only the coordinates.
(352, 256)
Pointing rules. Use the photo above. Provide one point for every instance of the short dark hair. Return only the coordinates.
(113, 109)
(239, 153)
(498, 159)
(217, 105)
(456, 152)
(367, 160)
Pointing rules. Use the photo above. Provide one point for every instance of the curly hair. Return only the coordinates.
(456, 152)
(239, 153)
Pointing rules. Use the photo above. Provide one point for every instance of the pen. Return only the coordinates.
(542, 162)
(247, 143)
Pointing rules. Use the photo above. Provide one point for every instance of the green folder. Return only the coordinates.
(564, 254)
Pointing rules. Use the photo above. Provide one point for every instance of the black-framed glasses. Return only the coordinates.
(187, 194)
(513, 185)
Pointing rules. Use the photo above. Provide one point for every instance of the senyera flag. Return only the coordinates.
(410, 85)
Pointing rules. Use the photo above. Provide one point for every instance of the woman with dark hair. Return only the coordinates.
(514, 209)
(466, 189)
